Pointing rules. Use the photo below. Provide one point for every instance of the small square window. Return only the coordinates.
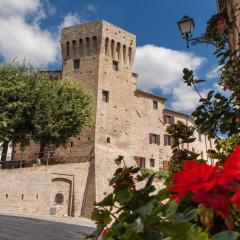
(154, 139)
(76, 63)
(168, 119)
(152, 162)
(155, 105)
(115, 65)
(167, 140)
(105, 96)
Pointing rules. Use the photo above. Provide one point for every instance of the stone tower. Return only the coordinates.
(100, 56)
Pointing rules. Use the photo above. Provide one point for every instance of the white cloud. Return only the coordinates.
(8, 7)
(91, 8)
(71, 19)
(25, 39)
(161, 68)
(214, 73)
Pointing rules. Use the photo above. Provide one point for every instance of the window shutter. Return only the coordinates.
(137, 160)
(158, 139)
(165, 165)
(150, 138)
(142, 162)
(165, 139)
(164, 119)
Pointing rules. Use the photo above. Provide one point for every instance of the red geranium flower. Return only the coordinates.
(231, 168)
(236, 199)
(202, 180)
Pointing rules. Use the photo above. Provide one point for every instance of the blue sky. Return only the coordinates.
(31, 29)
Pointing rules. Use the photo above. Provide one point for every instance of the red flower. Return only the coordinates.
(231, 168)
(194, 178)
(236, 199)
(202, 180)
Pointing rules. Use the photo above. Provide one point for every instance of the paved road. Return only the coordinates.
(19, 228)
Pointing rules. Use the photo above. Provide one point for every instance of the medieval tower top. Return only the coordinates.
(98, 38)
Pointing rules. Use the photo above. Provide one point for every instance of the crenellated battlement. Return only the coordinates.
(98, 38)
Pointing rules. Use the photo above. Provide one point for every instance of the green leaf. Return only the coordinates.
(226, 235)
(107, 201)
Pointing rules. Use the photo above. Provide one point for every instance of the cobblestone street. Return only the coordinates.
(20, 228)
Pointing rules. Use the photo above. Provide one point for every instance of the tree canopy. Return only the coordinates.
(34, 107)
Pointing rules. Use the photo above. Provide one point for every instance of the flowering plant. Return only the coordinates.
(215, 188)
(200, 202)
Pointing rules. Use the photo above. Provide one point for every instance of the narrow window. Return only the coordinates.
(152, 162)
(94, 45)
(108, 139)
(22, 196)
(199, 137)
(71, 144)
(80, 47)
(210, 142)
(167, 140)
(6, 196)
(130, 55)
(112, 48)
(87, 46)
(118, 50)
(67, 49)
(105, 96)
(124, 53)
(115, 65)
(154, 139)
(155, 105)
(74, 48)
(76, 64)
(142, 162)
(106, 46)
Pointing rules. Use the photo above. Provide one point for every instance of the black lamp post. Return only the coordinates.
(186, 26)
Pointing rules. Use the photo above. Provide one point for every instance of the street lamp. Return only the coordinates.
(186, 26)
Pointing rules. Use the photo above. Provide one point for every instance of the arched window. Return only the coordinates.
(67, 49)
(130, 55)
(118, 50)
(59, 198)
(87, 46)
(124, 53)
(80, 47)
(112, 48)
(74, 48)
(106, 46)
(94, 45)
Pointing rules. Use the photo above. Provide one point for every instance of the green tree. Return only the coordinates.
(33, 107)
(181, 134)
(63, 108)
(17, 84)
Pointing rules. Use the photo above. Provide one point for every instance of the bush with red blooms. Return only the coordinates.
(200, 202)
(215, 187)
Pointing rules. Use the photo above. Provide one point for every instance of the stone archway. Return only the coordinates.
(61, 197)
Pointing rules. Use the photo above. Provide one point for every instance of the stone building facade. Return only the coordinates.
(128, 122)
(225, 11)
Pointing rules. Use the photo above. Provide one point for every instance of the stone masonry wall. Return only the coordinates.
(33, 190)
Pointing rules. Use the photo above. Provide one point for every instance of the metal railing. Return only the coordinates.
(24, 159)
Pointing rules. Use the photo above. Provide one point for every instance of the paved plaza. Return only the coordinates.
(22, 228)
